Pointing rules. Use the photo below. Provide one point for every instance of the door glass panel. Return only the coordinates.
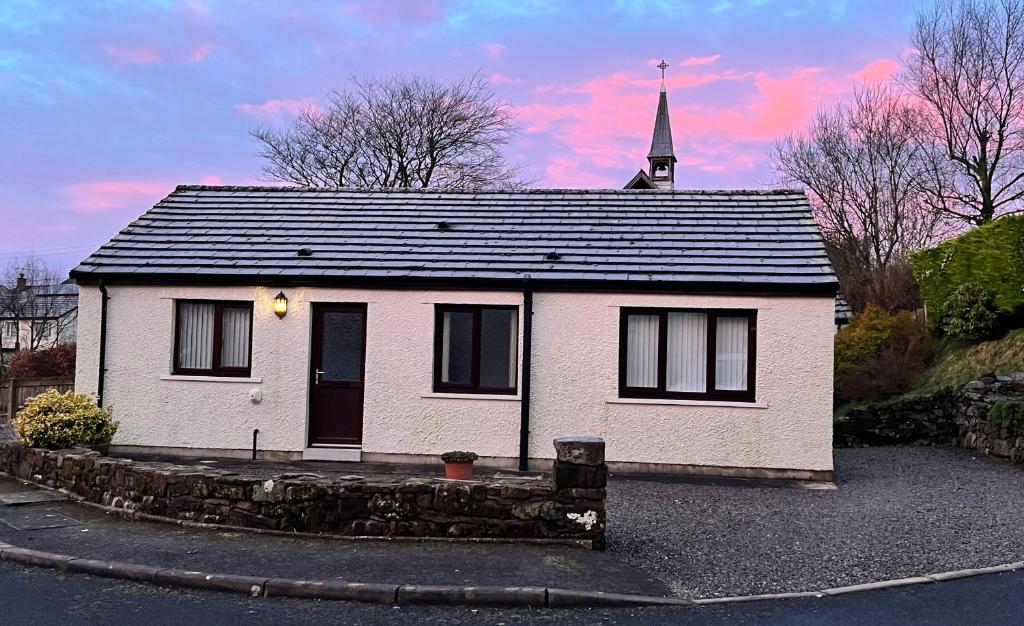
(457, 347)
(343, 346)
(498, 342)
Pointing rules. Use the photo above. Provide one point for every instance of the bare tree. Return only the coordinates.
(36, 304)
(864, 166)
(396, 132)
(968, 72)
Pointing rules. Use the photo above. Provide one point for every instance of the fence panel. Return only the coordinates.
(14, 392)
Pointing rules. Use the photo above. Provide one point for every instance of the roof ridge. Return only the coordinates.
(436, 190)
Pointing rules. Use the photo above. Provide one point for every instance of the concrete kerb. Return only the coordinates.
(257, 586)
(527, 597)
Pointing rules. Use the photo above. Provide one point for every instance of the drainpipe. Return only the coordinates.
(103, 343)
(524, 404)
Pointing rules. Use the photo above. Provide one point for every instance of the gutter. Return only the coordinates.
(103, 344)
(524, 403)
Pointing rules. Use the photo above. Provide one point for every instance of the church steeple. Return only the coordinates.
(662, 157)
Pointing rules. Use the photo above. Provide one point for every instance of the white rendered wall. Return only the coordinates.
(575, 386)
(575, 364)
(157, 409)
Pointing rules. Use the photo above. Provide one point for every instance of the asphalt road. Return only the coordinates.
(41, 597)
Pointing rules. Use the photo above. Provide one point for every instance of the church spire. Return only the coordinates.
(662, 157)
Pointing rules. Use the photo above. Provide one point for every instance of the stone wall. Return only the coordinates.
(950, 417)
(571, 505)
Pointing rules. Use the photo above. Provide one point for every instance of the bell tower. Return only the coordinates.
(662, 157)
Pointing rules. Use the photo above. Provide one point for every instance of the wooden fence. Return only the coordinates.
(21, 389)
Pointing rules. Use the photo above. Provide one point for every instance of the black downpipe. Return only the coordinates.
(103, 344)
(524, 404)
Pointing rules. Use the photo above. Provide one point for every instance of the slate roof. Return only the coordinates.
(843, 311)
(592, 238)
(39, 301)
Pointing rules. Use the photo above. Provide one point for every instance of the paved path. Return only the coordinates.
(94, 534)
(44, 597)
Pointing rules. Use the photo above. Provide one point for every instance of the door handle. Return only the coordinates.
(318, 374)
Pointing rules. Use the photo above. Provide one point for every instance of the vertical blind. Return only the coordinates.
(234, 351)
(690, 340)
(195, 335)
(457, 347)
(198, 328)
(642, 351)
(731, 354)
(687, 362)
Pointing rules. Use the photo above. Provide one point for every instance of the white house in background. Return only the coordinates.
(692, 330)
(37, 317)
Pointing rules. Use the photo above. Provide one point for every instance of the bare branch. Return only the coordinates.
(397, 132)
(967, 72)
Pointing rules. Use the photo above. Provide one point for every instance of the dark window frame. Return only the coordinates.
(473, 387)
(659, 392)
(218, 326)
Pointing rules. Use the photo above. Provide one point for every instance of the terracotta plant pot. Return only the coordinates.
(458, 471)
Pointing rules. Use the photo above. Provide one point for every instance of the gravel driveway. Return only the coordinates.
(898, 512)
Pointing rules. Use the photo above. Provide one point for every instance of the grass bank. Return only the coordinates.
(956, 363)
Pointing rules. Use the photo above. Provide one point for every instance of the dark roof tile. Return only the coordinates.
(630, 236)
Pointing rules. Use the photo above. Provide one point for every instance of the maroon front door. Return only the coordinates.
(336, 374)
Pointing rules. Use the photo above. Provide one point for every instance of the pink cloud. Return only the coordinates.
(606, 122)
(498, 78)
(135, 56)
(878, 71)
(211, 179)
(102, 196)
(275, 109)
(563, 172)
(699, 61)
(496, 50)
(200, 53)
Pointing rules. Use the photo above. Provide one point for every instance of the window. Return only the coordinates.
(687, 354)
(476, 349)
(10, 329)
(43, 331)
(213, 338)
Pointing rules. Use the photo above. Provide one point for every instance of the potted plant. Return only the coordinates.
(458, 465)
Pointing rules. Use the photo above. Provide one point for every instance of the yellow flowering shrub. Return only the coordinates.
(56, 421)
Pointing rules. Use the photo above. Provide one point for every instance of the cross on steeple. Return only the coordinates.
(661, 66)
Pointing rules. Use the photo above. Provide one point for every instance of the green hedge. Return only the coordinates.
(991, 256)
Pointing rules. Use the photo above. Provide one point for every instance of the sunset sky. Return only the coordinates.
(106, 106)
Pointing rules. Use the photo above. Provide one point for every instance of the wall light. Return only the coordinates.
(280, 304)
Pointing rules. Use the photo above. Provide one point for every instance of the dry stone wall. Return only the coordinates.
(950, 417)
(569, 506)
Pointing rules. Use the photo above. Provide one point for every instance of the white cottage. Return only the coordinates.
(692, 330)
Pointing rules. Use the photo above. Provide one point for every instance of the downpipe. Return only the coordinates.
(524, 403)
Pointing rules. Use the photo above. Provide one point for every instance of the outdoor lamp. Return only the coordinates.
(280, 304)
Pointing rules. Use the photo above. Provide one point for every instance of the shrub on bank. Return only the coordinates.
(56, 421)
(879, 354)
(970, 312)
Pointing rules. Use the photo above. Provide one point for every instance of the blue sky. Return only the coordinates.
(108, 105)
